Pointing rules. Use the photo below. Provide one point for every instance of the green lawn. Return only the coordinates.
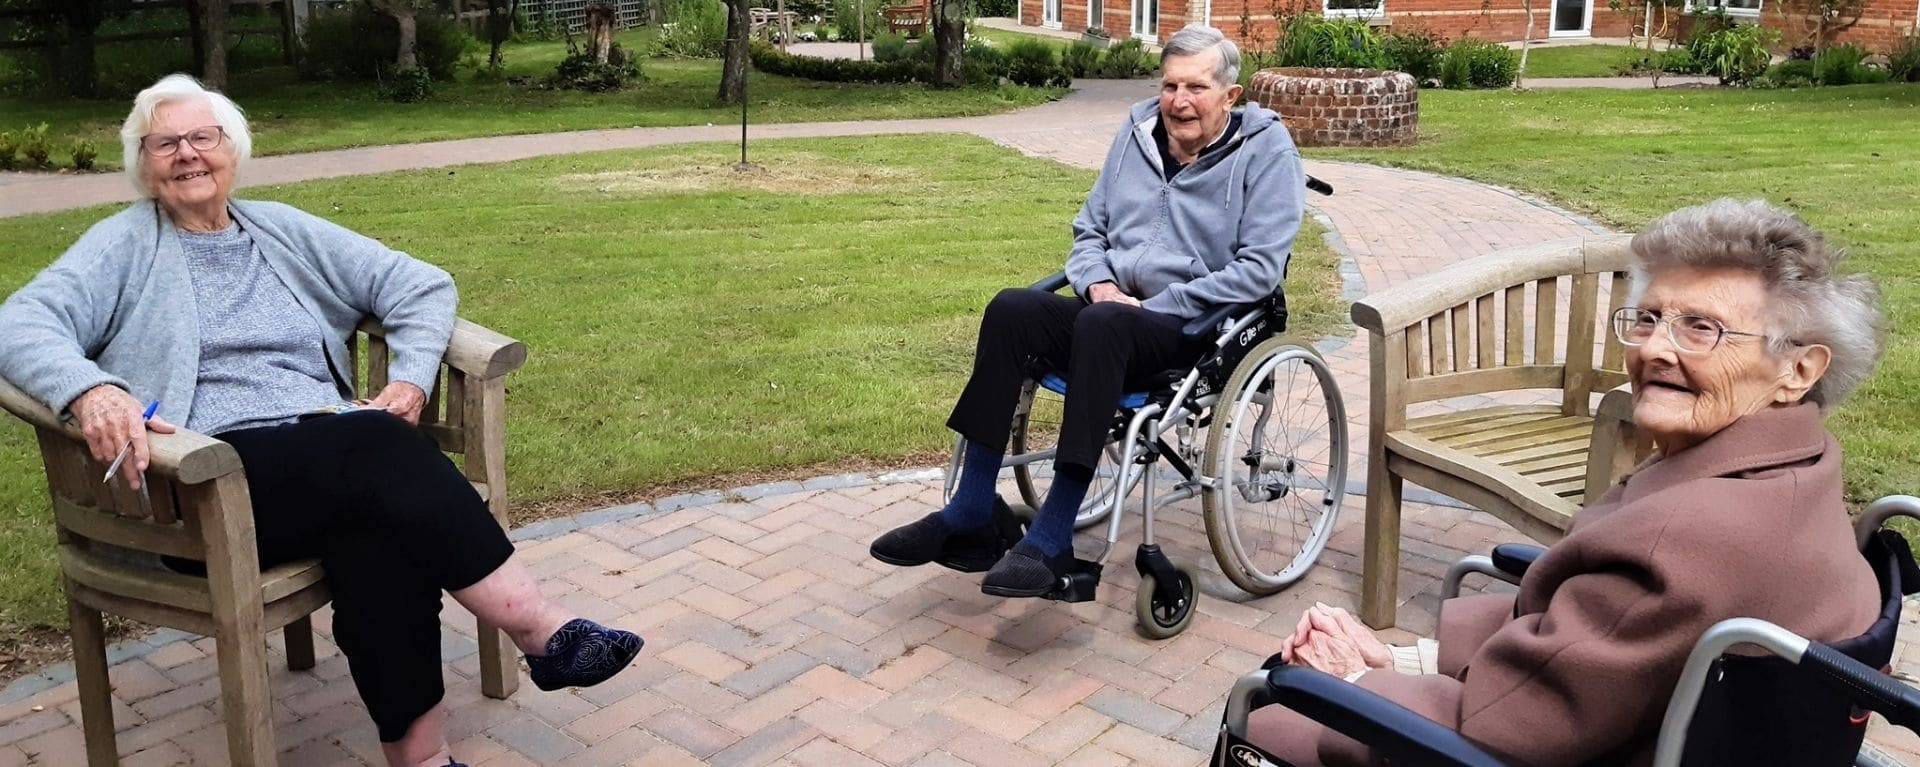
(1842, 157)
(293, 116)
(1576, 60)
(1002, 38)
(686, 322)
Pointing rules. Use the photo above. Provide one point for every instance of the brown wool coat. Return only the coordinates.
(1577, 668)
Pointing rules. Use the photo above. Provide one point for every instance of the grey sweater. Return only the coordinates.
(1218, 233)
(118, 307)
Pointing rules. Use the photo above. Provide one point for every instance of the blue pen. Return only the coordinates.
(152, 407)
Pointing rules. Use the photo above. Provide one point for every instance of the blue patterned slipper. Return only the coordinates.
(583, 654)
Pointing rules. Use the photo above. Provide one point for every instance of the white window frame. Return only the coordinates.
(1586, 21)
(1738, 13)
(1097, 15)
(1379, 9)
(1050, 13)
(1151, 37)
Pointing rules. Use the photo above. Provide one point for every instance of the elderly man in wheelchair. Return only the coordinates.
(1741, 335)
(1194, 214)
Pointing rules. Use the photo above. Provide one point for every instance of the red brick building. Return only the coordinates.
(1251, 22)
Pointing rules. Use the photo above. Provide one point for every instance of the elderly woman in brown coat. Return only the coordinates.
(1740, 336)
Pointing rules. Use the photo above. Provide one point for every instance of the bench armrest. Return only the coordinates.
(1616, 446)
(472, 349)
(184, 456)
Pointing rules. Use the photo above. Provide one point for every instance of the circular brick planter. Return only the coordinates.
(1341, 107)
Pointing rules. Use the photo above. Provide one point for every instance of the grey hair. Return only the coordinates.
(1809, 302)
(1195, 40)
(171, 89)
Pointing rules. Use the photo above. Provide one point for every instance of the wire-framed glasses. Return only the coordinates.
(1690, 333)
(202, 139)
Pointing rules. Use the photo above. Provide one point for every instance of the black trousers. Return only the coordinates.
(1100, 349)
(394, 523)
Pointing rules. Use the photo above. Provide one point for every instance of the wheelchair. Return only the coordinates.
(1260, 435)
(1815, 695)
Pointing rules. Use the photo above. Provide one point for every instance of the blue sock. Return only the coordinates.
(1052, 531)
(972, 503)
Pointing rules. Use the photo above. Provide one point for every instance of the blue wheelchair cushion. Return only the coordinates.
(1054, 383)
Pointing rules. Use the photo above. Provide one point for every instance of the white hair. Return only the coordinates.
(1809, 301)
(1196, 39)
(171, 89)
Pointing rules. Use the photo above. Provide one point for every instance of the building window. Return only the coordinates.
(1361, 8)
(1732, 7)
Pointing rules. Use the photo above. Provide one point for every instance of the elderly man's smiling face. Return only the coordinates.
(1193, 105)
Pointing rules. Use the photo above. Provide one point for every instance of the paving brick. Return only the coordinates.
(765, 745)
(843, 724)
(690, 731)
(1135, 710)
(769, 674)
(536, 740)
(703, 661)
(988, 716)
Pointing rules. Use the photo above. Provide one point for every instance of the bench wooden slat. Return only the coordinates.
(1516, 300)
(1416, 344)
(1553, 477)
(1464, 416)
(1437, 334)
(1545, 319)
(1449, 385)
(1476, 425)
(1610, 359)
(1483, 306)
(1461, 317)
(1508, 454)
(1529, 466)
(1527, 434)
(1413, 456)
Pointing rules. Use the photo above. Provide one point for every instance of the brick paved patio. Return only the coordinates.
(774, 639)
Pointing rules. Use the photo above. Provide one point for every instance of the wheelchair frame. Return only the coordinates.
(1386, 722)
(1168, 593)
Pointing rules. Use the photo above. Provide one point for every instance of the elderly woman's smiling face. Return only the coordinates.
(189, 180)
(1679, 397)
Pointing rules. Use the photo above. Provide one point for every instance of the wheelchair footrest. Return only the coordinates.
(1078, 584)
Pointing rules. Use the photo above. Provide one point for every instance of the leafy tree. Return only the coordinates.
(733, 64)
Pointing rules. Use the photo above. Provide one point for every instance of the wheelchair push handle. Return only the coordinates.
(1315, 184)
(1871, 689)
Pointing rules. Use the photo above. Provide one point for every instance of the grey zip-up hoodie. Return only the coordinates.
(1218, 233)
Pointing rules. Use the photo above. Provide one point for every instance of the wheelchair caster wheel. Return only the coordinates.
(1162, 615)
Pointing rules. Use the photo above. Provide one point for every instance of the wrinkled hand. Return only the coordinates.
(1332, 640)
(402, 399)
(110, 418)
(1107, 291)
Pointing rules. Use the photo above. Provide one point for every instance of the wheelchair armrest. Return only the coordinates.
(1514, 558)
(1051, 283)
(1391, 729)
(1208, 326)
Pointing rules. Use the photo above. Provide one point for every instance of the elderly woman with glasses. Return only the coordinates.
(1741, 335)
(233, 315)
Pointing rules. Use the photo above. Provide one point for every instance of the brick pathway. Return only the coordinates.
(775, 639)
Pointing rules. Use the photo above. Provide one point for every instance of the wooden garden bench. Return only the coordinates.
(197, 508)
(907, 20)
(1522, 319)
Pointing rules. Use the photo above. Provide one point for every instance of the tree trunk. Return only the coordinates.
(407, 58)
(949, 43)
(600, 32)
(213, 43)
(733, 67)
(1526, 42)
(499, 28)
(82, 17)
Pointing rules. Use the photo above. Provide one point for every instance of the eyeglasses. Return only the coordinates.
(1690, 333)
(201, 139)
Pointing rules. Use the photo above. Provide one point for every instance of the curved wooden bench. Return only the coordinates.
(1516, 320)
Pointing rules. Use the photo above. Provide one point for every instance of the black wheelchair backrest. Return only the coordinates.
(1807, 720)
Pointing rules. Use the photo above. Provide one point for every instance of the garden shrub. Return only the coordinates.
(1474, 63)
(977, 8)
(1792, 73)
(769, 59)
(1128, 59)
(1308, 40)
(409, 87)
(888, 46)
(1736, 55)
(1416, 53)
(578, 72)
(35, 146)
(1031, 62)
(9, 151)
(1081, 59)
(1903, 62)
(985, 64)
(1845, 65)
(84, 153)
(699, 29)
(358, 44)
(846, 18)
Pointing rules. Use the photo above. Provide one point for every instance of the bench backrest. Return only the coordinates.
(1524, 318)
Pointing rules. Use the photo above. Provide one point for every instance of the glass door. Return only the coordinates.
(1050, 13)
(1572, 18)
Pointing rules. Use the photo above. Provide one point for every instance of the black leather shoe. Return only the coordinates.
(930, 540)
(1026, 572)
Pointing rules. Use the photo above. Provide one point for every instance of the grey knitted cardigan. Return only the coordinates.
(118, 307)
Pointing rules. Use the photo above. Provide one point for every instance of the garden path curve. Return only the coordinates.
(772, 637)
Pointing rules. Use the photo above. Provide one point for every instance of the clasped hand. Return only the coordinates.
(1107, 291)
(1330, 639)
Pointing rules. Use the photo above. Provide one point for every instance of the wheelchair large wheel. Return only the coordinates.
(1279, 445)
(1036, 426)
